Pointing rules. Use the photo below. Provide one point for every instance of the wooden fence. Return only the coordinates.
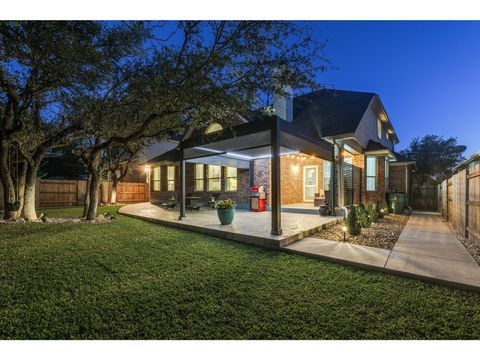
(63, 193)
(460, 199)
(424, 197)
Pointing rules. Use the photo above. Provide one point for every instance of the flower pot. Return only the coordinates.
(225, 216)
(323, 210)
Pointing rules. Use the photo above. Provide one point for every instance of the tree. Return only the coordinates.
(199, 72)
(435, 157)
(118, 164)
(41, 64)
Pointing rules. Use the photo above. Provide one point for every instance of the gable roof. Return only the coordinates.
(331, 112)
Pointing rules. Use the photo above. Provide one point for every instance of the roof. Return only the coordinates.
(171, 155)
(331, 112)
(375, 146)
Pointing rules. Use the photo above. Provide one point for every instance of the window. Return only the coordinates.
(199, 177)
(171, 178)
(156, 178)
(371, 173)
(387, 174)
(214, 127)
(214, 178)
(327, 174)
(231, 179)
(379, 129)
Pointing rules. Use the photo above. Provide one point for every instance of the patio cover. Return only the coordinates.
(267, 138)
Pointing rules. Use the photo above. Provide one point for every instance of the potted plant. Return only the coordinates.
(225, 211)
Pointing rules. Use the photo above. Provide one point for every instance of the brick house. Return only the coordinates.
(332, 144)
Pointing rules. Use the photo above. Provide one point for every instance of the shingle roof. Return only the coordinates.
(375, 146)
(331, 112)
(171, 155)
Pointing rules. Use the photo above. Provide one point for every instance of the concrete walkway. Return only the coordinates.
(425, 250)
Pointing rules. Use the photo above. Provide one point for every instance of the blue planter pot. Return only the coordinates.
(226, 216)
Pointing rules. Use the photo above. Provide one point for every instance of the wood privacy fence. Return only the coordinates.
(460, 198)
(425, 197)
(63, 193)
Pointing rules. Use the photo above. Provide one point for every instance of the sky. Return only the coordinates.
(427, 74)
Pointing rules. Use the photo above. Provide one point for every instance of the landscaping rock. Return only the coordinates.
(383, 234)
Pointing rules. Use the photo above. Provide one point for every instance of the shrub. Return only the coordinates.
(373, 212)
(382, 209)
(225, 204)
(363, 216)
(351, 221)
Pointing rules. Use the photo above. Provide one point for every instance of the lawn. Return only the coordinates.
(132, 279)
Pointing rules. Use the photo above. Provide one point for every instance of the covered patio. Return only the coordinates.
(268, 139)
(247, 227)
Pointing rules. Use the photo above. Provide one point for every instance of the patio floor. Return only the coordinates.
(248, 227)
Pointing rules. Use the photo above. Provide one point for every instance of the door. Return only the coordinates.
(310, 182)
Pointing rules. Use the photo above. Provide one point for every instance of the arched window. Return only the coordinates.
(213, 127)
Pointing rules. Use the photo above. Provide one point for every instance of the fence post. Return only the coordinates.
(467, 190)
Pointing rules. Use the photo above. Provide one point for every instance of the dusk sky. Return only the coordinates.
(426, 73)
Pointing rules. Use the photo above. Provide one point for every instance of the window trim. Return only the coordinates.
(159, 181)
(379, 129)
(169, 181)
(371, 176)
(202, 179)
(230, 177)
(329, 178)
(214, 178)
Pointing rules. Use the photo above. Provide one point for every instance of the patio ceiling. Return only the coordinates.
(253, 141)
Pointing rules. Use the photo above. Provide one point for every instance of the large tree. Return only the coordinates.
(435, 157)
(194, 73)
(41, 64)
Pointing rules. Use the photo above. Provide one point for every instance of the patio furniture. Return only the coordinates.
(191, 202)
(318, 200)
(169, 204)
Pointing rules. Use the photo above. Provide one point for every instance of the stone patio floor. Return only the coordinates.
(425, 250)
(248, 227)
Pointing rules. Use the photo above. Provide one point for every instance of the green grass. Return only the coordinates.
(133, 279)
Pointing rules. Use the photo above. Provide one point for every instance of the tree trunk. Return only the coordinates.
(29, 212)
(86, 200)
(93, 197)
(113, 197)
(10, 191)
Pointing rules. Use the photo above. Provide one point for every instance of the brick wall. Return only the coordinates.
(358, 161)
(397, 178)
(292, 176)
(291, 168)
(379, 194)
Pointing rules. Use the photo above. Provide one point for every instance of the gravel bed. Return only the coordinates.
(383, 234)
(472, 247)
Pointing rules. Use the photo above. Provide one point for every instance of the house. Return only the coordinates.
(332, 144)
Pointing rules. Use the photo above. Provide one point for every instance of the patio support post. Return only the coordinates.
(182, 184)
(332, 182)
(276, 183)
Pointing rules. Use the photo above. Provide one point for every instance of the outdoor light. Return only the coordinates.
(344, 229)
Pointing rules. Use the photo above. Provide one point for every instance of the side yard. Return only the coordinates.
(133, 279)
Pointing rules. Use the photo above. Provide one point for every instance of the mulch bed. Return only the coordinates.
(383, 234)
